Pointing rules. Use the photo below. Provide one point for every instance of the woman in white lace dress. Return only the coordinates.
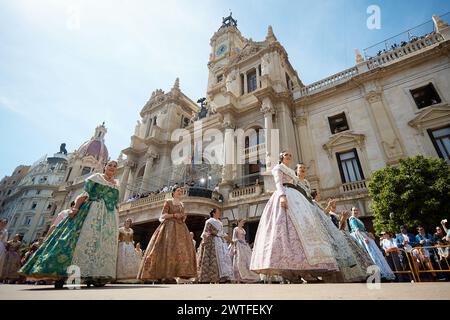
(241, 254)
(127, 259)
(290, 240)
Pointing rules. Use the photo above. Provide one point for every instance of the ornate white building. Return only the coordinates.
(31, 203)
(390, 106)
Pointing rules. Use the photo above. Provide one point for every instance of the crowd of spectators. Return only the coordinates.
(429, 252)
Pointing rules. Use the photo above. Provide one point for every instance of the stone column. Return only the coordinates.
(268, 110)
(306, 150)
(272, 143)
(229, 152)
(391, 145)
(124, 181)
(245, 84)
(147, 171)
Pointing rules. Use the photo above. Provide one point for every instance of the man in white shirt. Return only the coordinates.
(390, 247)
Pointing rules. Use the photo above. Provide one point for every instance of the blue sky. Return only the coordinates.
(61, 76)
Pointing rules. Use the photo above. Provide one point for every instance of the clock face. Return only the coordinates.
(221, 50)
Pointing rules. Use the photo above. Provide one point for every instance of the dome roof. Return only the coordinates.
(95, 146)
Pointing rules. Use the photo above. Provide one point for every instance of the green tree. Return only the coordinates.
(414, 192)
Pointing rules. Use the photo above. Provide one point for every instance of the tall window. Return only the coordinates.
(338, 123)
(149, 125)
(27, 221)
(85, 170)
(68, 174)
(219, 78)
(441, 141)
(425, 96)
(349, 166)
(242, 84)
(33, 205)
(251, 81)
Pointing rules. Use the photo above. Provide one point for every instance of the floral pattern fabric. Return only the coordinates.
(88, 240)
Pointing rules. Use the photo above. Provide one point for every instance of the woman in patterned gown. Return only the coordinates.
(366, 242)
(127, 260)
(87, 239)
(214, 261)
(10, 263)
(290, 240)
(341, 248)
(3, 238)
(170, 253)
(241, 254)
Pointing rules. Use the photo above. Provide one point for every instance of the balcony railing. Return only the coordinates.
(354, 187)
(246, 192)
(405, 50)
(255, 152)
(160, 197)
(329, 82)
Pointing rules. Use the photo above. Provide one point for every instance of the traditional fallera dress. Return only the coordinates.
(3, 241)
(363, 260)
(29, 253)
(88, 240)
(170, 252)
(341, 248)
(128, 261)
(214, 261)
(10, 263)
(371, 248)
(291, 242)
(241, 254)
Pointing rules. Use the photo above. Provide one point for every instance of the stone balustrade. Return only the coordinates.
(254, 152)
(329, 82)
(369, 64)
(151, 200)
(246, 192)
(401, 52)
(354, 187)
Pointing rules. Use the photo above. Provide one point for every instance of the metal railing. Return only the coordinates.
(427, 260)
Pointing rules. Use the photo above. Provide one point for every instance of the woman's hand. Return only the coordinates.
(73, 212)
(283, 202)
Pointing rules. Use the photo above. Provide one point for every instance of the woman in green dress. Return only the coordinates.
(86, 240)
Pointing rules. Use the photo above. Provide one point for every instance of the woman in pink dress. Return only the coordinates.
(290, 240)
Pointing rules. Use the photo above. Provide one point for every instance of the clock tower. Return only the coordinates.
(225, 44)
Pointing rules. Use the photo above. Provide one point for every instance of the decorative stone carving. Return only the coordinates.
(266, 67)
(439, 24)
(232, 83)
(226, 124)
(137, 128)
(431, 117)
(301, 120)
(343, 140)
(358, 57)
(373, 96)
(267, 107)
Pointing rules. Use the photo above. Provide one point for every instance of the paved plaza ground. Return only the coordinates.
(388, 291)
